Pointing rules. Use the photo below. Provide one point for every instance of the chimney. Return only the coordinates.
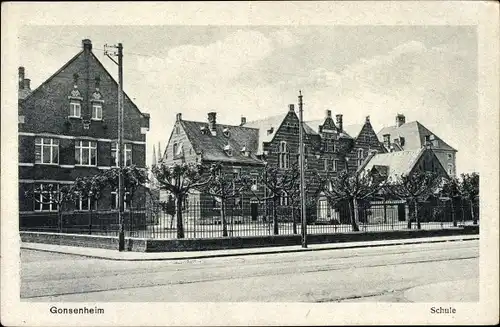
(212, 120)
(291, 107)
(243, 121)
(387, 140)
(400, 120)
(87, 45)
(367, 119)
(328, 114)
(26, 84)
(339, 122)
(434, 141)
(178, 117)
(427, 141)
(21, 78)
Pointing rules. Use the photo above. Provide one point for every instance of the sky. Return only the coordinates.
(428, 73)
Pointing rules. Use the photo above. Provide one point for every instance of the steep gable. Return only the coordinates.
(47, 107)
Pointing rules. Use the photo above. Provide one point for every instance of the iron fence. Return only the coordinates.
(257, 219)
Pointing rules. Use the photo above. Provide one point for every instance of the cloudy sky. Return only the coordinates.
(428, 73)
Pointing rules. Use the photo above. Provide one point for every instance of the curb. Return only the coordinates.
(221, 255)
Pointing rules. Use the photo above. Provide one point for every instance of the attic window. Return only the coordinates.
(225, 131)
(245, 151)
(204, 130)
(228, 150)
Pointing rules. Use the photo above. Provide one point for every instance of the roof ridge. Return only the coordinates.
(217, 124)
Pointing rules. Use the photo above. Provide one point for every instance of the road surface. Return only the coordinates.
(407, 273)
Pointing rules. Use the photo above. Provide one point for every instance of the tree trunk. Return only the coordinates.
(90, 220)
(453, 218)
(385, 212)
(474, 219)
(223, 217)
(178, 212)
(416, 215)
(353, 215)
(275, 216)
(410, 214)
(60, 220)
(294, 222)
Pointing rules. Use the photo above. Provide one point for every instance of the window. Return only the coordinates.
(86, 153)
(283, 156)
(360, 157)
(284, 199)
(229, 150)
(450, 169)
(335, 165)
(450, 156)
(84, 204)
(326, 164)
(174, 149)
(127, 155)
(46, 197)
(97, 111)
(334, 147)
(75, 109)
(236, 173)
(114, 200)
(46, 150)
(255, 183)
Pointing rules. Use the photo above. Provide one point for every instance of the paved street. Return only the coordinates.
(407, 273)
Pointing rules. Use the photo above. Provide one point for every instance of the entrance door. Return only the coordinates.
(401, 212)
(254, 210)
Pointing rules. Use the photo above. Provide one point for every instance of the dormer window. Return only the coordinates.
(204, 130)
(228, 150)
(245, 151)
(225, 131)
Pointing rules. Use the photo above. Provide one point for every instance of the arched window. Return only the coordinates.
(360, 156)
(283, 199)
(283, 156)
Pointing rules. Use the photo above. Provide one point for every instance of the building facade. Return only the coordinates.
(68, 128)
(273, 141)
(412, 136)
(208, 143)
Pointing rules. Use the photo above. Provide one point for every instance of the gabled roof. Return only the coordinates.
(212, 147)
(414, 134)
(397, 163)
(67, 64)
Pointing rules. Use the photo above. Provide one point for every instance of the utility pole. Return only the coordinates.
(301, 166)
(119, 54)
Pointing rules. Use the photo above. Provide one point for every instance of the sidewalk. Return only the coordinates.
(144, 256)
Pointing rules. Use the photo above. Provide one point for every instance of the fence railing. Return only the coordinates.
(256, 219)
